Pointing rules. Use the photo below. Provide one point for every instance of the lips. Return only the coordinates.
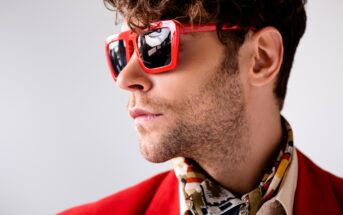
(140, 115)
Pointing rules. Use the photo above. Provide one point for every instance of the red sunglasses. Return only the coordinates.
(157, 47)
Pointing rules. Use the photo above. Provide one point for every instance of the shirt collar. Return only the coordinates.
(286, 193)
(285, 196)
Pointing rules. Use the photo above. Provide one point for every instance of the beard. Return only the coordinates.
(209, 124)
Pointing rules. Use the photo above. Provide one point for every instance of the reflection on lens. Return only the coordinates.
(155, 47)
(118, 55)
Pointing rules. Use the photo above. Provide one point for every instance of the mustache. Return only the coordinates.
(147, 102)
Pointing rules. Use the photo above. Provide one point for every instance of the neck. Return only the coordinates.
(240, 171)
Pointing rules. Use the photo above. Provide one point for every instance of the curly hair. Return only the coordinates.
(287, 16)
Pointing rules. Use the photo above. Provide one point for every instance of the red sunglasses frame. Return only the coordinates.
(176, 28)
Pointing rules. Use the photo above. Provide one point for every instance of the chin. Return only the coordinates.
(155, 158)
(157, 151)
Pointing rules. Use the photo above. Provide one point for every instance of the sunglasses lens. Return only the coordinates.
(155, 48)
(117, 51)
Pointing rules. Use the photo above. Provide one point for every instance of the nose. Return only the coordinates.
(133, 78)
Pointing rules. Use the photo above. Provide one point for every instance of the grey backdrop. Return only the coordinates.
(65, 137)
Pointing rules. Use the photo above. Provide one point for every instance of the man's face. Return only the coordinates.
(194, 110)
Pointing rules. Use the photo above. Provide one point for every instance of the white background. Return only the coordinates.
(65, 137)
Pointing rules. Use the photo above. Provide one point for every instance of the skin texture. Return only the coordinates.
(218, 111)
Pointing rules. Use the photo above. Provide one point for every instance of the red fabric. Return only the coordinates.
(151, 197)
(317, 192)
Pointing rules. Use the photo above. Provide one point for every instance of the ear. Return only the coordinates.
(268, 54)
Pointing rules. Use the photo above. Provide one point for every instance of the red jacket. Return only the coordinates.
(317, 192)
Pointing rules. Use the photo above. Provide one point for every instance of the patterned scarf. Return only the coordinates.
(204, 196)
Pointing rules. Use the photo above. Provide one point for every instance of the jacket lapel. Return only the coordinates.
(314, 193)
(166, 198)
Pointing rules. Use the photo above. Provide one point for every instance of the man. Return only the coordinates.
(208, 81)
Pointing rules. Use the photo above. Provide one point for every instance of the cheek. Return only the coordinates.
(178, 84)
(197, 64)
(186, 79)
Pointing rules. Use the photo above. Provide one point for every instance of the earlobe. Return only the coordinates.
(267, 57)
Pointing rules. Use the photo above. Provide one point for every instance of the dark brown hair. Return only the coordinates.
(288, 16)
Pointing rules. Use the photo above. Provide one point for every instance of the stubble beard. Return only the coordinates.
(209, 125)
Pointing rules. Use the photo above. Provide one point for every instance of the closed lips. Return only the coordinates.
(134, 113)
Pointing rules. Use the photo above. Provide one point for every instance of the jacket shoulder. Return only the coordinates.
(133, 200)
(318, 191)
